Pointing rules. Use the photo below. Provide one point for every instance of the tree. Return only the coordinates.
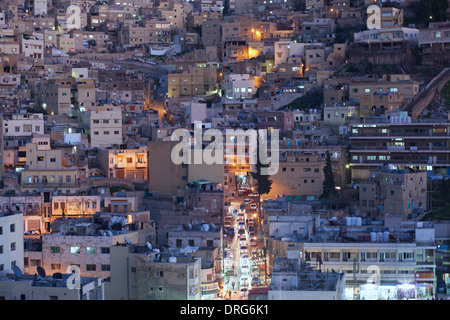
(264, 183)
(329, 186)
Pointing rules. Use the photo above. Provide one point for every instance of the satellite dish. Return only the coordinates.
(149, 246)
(127, 240)
(17, 271)
(102, 232)
(40, 271)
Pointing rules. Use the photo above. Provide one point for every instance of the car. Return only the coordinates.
(248, 201)
(244, 250)
(253, 206)
(241, 231)
(253, 243)
(241, 216)
(256, 281)
(241, 225)
(227, 224)
(243, 291)
(244, 257)
(230, 231)
(245, 269)
(253, 195)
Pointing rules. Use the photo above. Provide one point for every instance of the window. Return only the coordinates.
(90, 250)
(74, 249)
(1, 250)
(13, 246)
(12, 227)
(91, 267)
(159, 274)
(105, 250)
(55, 249)
(55, 266)
(106, 267)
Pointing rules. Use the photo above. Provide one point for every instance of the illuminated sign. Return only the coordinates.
(210, 286)
(424, 275)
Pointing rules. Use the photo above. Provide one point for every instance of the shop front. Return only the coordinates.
(391, 291)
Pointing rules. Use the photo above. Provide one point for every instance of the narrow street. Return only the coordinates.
(243, 260)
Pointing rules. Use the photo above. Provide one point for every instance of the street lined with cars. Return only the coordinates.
(243, 260)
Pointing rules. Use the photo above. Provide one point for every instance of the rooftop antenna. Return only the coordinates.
(127, 240)
(40, 271)
(17, 272)
(149, 246)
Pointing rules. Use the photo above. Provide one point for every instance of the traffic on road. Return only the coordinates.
(244, 262)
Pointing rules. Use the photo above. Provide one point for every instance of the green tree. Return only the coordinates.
(264, 184)
(329, 186)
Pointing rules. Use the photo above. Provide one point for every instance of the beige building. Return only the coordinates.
(105, 126)
(168, 178)
(75, 206)
(197, 81)
(45, 172)
(395, 192)
(298, 175)
(392, 84)
(379, 103)
(125, 163)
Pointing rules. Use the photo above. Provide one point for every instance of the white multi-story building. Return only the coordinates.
(11, 241)
(105, 127)
(241, 86)
(39, 7)
(32, 46)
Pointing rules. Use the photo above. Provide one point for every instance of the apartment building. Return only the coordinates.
(76, 242)
(18, 130)
(163, 277)
(294, 280)
(44, 172)
(400, 142)
(50, 287)
(105, 125)
(32, 46)
(298, 174)
(170, 178)
(437, 34)
(124, 163)
(401, 84)
(380, 103)
(55, 96)
(394, 192)
(75, 206)
(197, 81)
(380, 263)
(336, 115)
(11, 241)
(31, 207)
(395, 37)
(241, 86)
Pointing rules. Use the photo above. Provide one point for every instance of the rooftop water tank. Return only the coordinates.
(386, 236)
(373, 236)
(173, 259)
